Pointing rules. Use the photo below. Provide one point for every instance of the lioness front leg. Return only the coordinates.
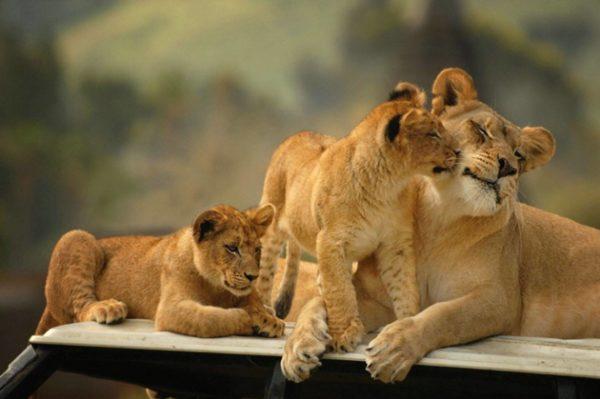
(264, 322)
(192, 318)
(402, 343)
(338, 292)
(307, 343)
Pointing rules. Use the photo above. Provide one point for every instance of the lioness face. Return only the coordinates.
(494, 151)
(421, 142)
(228, 247)
(487, 174)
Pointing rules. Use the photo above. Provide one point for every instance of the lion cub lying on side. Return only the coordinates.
(196, 281)
(338, 199)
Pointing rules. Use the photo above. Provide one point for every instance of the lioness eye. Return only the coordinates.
(232, 248)
(481, 130)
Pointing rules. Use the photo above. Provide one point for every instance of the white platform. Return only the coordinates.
(577, 358)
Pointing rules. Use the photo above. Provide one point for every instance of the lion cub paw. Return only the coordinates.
(109, 311)
(303, 349)
(348, 339)
(267, 325)
(394, 351)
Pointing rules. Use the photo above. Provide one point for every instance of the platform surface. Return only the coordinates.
(575, 358)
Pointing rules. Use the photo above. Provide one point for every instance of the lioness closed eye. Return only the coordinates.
(196, 281)
(338, 200)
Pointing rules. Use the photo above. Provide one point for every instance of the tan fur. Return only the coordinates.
(483, 267)
(334, 197)
(189, 282)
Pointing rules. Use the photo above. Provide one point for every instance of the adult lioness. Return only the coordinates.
(196, 281)
(334, 198)
(486, 263)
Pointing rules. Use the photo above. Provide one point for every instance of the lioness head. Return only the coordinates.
(494, 151)
(418, 139)
(227, 245)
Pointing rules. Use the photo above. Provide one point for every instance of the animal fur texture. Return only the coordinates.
(337, 199)
(197, 281)
(486, 264)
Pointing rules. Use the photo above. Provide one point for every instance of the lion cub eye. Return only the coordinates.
(232, 248)
(257, 253)
(519, 156)
(434, 135)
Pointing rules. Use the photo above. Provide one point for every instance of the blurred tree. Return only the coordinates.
(109, 106)
(47, 169)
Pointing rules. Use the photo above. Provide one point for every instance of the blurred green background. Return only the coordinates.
(132, 116)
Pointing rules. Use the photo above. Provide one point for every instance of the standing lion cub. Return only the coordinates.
(338, 199)
(196, 281)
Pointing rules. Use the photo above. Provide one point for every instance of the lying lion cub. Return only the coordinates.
(338, 200)
(196, 281)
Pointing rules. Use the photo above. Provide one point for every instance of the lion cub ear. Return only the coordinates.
(207, 224)
(262, 217)
(452, 87)
(537, 147)
(408, 92)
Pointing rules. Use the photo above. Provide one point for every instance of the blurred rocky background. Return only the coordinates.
(132, 116)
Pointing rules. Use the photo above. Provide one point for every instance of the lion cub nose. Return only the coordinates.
(505, 168)
(451, 159)
(250, 277)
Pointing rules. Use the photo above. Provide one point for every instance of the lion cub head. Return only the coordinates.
(494, 151)
(415, 138)
(227, 245)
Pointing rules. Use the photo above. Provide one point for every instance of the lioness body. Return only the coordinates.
(560, 277)
(335, 199)
(187, 282)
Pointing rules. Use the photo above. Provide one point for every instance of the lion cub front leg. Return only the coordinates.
(189, 317)
(264, 322)
(396, 265)
(338, 292)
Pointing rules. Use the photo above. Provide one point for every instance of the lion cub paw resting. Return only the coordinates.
(197, 281)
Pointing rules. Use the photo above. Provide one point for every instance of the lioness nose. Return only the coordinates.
(505, 168)
(250, 277)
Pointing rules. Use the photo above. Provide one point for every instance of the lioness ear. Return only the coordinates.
(537, 147)
(262, 217)
(451, 87)
(207, 224)
(410, 92)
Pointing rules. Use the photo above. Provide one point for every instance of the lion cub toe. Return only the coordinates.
(266, 325)
(303, 349)
(109, 311)
(348, 339)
